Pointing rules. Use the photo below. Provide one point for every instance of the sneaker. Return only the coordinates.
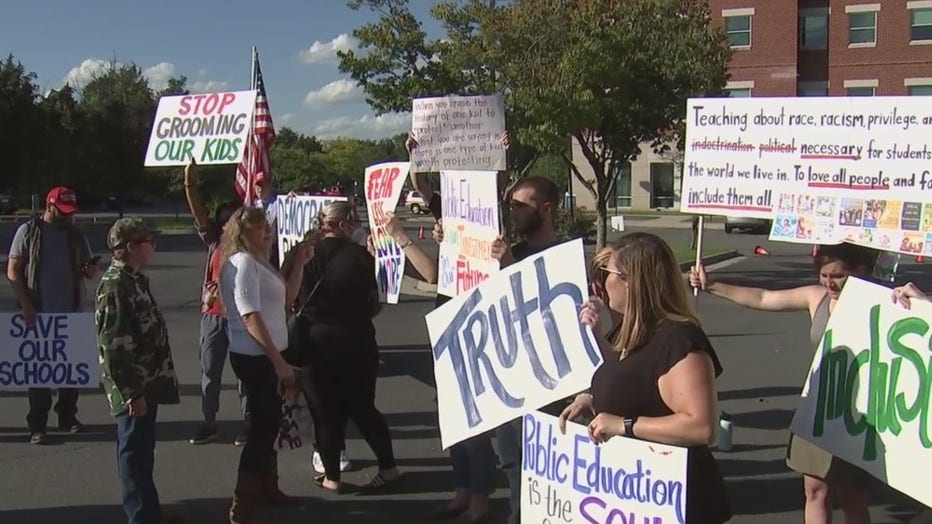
(242, 438)
(206, 433)
(345, 464)
(71, 425)
(38, 438)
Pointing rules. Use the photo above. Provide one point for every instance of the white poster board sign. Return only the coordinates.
(211, 128)
(383, 183)
(296, 216)
(458, 132)
(867, 397)
(513, 344)
(59, 350)
(563, 477)
(825, 169)
(470, 226)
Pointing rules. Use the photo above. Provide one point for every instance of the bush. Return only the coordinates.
(580, 225)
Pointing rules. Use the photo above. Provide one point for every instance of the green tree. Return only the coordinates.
(21, 129)
(611, 75)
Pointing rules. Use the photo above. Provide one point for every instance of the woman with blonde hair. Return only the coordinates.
(255, 295)
(659, 382)
(339, 298)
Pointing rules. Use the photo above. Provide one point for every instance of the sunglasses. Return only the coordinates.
(621, 274)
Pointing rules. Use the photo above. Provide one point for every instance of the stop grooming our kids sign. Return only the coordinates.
(210, 128)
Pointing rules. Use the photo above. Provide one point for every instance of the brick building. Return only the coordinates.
(798, 48)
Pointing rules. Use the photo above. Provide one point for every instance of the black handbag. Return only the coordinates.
(299, 340)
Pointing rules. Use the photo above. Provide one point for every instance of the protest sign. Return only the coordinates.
(867, 397)
(297, 216)
(517, 334)
(210, 128)
(383, 184)
(458, 132)
(470, 225)
(567, 478)
(826, 170)
(59, 350)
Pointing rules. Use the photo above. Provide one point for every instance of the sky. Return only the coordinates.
(209, 42)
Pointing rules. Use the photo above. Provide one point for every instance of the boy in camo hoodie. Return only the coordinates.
(136, 362)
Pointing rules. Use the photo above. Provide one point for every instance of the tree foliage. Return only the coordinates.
(611, 75)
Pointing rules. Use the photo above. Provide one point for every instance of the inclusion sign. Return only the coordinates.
(58, 350)
(211, 128)
(567, 478)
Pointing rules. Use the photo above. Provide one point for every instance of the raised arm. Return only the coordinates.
(193, 196)
(796, 299)
(425, 265)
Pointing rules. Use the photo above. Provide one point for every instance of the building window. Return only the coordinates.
(920, 90)
(661, 185)
(813, 31)
(623, 185)
(738, 30)
(862, 28)
(812, 89)
(742, 92)
(860, 91)
(920, 24)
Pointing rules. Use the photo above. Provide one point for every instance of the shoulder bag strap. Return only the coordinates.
(319, 281)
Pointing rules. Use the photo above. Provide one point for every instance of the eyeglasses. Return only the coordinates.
(621, 274)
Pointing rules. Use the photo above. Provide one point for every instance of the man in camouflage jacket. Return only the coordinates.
(135, 358)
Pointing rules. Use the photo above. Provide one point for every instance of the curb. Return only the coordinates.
(711, 259)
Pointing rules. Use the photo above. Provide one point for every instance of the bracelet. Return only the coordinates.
(407, 244)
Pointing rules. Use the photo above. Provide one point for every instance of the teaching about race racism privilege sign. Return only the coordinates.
(296, 216)
(458, 132)
(58, 350)
(867, 399)
(512, 345)
(383, 183)
(470, 226)
(210, 128)
(826, 170)
(567, 478)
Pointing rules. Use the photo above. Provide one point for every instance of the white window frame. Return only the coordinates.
(917, 82)
(913, 6)
(817, 84)
(863, 8)
(739, 13)
(740, 85)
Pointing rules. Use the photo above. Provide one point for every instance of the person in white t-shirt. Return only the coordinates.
(255, 294)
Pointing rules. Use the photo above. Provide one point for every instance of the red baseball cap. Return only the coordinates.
(63, 199)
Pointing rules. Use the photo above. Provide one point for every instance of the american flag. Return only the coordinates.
(259, 142)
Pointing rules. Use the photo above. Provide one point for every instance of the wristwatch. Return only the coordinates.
(629, 426)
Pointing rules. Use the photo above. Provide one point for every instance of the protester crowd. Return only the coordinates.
(305, 327)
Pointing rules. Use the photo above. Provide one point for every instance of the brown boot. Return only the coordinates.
(271, 494)
(245, 499)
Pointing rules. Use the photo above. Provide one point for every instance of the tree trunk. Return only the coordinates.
(601, 220)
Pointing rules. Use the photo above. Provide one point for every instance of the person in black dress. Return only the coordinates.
(660, 385)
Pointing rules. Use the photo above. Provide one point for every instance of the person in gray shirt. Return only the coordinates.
(48, 262)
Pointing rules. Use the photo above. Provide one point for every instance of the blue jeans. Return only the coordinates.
(474, 465)
(509, 454)
(135, 462)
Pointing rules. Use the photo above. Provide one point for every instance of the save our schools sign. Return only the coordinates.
(867, 399)
(567, 478)
(58, 350)
(211, 128)
(513, 344)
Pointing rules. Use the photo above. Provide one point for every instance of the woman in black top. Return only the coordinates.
(342, 360)
(660, 385)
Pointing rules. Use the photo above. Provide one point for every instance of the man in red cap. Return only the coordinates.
(49, 260)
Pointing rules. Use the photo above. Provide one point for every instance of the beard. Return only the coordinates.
(528, 224)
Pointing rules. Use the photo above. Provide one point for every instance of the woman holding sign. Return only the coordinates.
(822, 472)
(658, 383)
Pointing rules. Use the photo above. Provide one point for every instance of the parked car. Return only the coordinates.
(415, 203)
(7, 205)
(755, 225)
